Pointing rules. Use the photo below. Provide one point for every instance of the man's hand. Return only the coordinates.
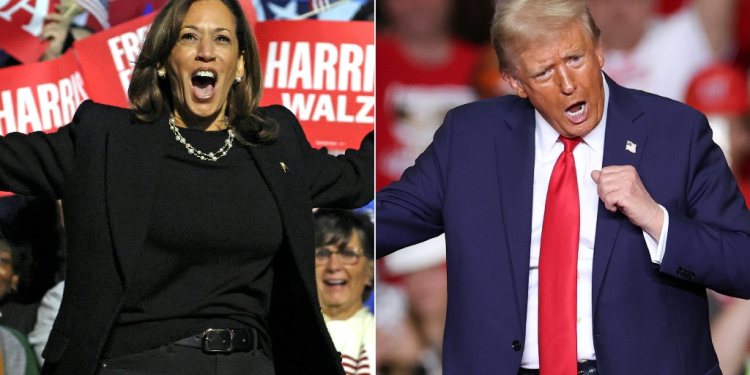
(620, 188)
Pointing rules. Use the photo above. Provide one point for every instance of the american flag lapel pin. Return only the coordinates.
(630, 146)
(284, 167)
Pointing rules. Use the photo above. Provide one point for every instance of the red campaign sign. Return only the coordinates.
(324, 72)
(21, 22)
(107, 58)
(40, 96)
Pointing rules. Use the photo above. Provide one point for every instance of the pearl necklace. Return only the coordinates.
(198, 153)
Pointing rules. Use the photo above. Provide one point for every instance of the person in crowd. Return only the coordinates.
(190, 239)
(344, 272)
(661, 55)
(45, 318)
(721, 92)
(9, 266)
(730, 332)
(16, 355)
(32, 243)
(28, 244)
(61, 32)
(583, 220)
(433, 74)
(412, 299)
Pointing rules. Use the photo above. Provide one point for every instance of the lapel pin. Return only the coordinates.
(630, 146)
(284, 167)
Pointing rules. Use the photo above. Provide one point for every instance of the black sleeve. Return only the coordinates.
(343, 181)
(38, 163)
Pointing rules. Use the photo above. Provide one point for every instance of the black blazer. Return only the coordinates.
(103, 166)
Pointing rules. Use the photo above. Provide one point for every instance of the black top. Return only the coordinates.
(213, 231)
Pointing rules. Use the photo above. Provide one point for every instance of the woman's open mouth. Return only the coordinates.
(335, 283)
(204, 82)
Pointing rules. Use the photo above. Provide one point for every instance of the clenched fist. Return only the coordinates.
(620, 188)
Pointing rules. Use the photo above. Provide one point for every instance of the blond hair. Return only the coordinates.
(517, 23)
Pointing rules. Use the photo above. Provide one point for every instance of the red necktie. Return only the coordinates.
(558, 268)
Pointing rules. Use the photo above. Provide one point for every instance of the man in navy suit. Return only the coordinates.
(658, 216)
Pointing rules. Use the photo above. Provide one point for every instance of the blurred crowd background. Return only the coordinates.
(433, 55)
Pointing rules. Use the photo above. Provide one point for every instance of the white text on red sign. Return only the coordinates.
(57, 103)
(125, 49)
(8, 8)
(346, 68)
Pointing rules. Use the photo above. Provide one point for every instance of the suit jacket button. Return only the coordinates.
(516, 345)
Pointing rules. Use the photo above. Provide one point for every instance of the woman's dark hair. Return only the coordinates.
(150, 97)
(335, 227)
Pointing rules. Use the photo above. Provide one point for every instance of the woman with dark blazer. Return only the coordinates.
(189, 217)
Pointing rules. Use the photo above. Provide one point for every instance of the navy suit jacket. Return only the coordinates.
(475, 184)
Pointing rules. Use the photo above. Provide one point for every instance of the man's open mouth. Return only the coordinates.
(577, 112)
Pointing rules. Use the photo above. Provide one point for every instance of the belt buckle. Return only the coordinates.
(217, 340)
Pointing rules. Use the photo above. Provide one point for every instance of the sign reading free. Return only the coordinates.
(107, 59)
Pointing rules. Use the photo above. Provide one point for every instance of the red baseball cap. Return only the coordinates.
(719, 88)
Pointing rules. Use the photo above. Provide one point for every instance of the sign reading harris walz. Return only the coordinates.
(323, 71)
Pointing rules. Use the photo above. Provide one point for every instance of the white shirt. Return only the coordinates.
(354, 338)
(588, 157)
(45, 318)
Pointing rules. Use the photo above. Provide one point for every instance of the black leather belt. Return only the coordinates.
(224, 340)
(584, 368)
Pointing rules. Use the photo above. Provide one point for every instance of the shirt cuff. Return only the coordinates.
(656, 248)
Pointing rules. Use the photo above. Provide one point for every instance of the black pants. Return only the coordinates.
(180, 360)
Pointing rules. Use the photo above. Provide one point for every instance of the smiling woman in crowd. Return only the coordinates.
(344, 268)
(190, 239)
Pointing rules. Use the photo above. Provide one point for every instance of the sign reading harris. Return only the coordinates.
(21, 22)
(40, 96)
(324, 72)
